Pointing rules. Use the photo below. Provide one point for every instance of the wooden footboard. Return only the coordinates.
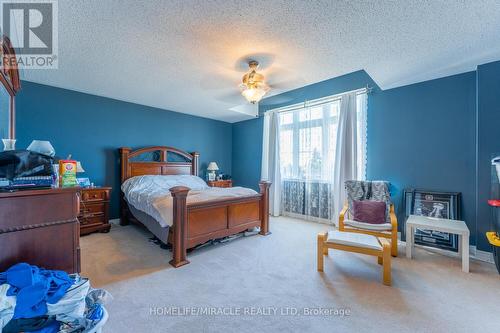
(197, 223)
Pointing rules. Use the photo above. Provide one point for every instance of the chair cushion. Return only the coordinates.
(368, 226)
(368, 190)
(369, 211)
(353, 239)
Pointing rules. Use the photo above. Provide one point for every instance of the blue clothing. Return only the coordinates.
(34, 288)
(96, 312)
(53, 327)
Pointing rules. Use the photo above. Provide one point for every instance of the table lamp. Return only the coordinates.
(42, 147)
(9, 144)
(212, 168)
(79, 168)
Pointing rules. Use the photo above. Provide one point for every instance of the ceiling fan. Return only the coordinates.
(261, 74)
(253, 86)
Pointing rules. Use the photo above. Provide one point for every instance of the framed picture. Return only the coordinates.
(445, 205)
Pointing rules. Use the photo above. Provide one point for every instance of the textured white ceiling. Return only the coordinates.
(180, 55)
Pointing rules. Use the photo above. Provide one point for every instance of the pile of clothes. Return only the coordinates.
(38, 300)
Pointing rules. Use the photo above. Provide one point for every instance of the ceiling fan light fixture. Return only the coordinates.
(253, 86)
(253, 94)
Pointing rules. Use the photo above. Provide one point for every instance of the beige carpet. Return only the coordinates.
(270, 284)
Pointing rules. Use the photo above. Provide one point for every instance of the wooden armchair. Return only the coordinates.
(384, 230)
(370, 190)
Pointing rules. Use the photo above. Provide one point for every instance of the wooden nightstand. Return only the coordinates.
(220, 183)
(94, 210)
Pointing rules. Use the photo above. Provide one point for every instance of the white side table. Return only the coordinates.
(444, 225)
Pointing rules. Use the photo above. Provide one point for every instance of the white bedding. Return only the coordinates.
(151, 194)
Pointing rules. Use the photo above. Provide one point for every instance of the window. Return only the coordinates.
(308, 138)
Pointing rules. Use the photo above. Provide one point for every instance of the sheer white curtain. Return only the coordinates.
(270, 169)
(346, 157)
(309, 150)
(362, 118)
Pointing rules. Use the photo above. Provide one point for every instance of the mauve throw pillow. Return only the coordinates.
(369, 211)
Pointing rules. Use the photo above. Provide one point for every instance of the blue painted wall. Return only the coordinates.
(488, 138)
(247, 152)
(423, 136)
(92, 128)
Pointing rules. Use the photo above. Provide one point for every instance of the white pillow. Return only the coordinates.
(193, 182)
(162, 183)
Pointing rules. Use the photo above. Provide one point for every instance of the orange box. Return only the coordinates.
(67, 173)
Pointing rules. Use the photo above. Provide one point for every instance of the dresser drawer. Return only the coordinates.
(40, 227)
(94, 195)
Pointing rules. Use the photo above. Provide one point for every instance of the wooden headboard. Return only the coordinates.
(158, 160)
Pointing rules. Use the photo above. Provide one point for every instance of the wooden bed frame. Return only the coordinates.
(196, 223)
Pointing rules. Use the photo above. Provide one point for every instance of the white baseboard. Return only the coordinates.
(114, 221)
(307, 219)
(481, 255)
(474, 253)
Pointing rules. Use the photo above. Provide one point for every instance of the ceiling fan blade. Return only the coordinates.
(233, 97)
(283, 79)
(276, 73)
(247, 108)
(285, 85)
(275, 100)
(216, 82)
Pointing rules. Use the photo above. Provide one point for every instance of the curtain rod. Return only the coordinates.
(366, 89)
(321, 100)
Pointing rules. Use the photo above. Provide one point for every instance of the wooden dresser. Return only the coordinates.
(94, 210)
(40, 227)
(220, 183)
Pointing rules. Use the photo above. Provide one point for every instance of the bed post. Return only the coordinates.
(264, 207)
(179, 194)
(124, 152)
(196, 163)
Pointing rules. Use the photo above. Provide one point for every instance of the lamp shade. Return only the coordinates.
(42, 147)
(212, 166)
(79, 167)
(253, 94)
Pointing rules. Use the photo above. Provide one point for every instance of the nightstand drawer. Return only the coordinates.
(220, 183)
(92, 208)
(87, 220)
(94, 195)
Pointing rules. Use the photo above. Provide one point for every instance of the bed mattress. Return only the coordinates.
(150, 194)
(151, 224)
